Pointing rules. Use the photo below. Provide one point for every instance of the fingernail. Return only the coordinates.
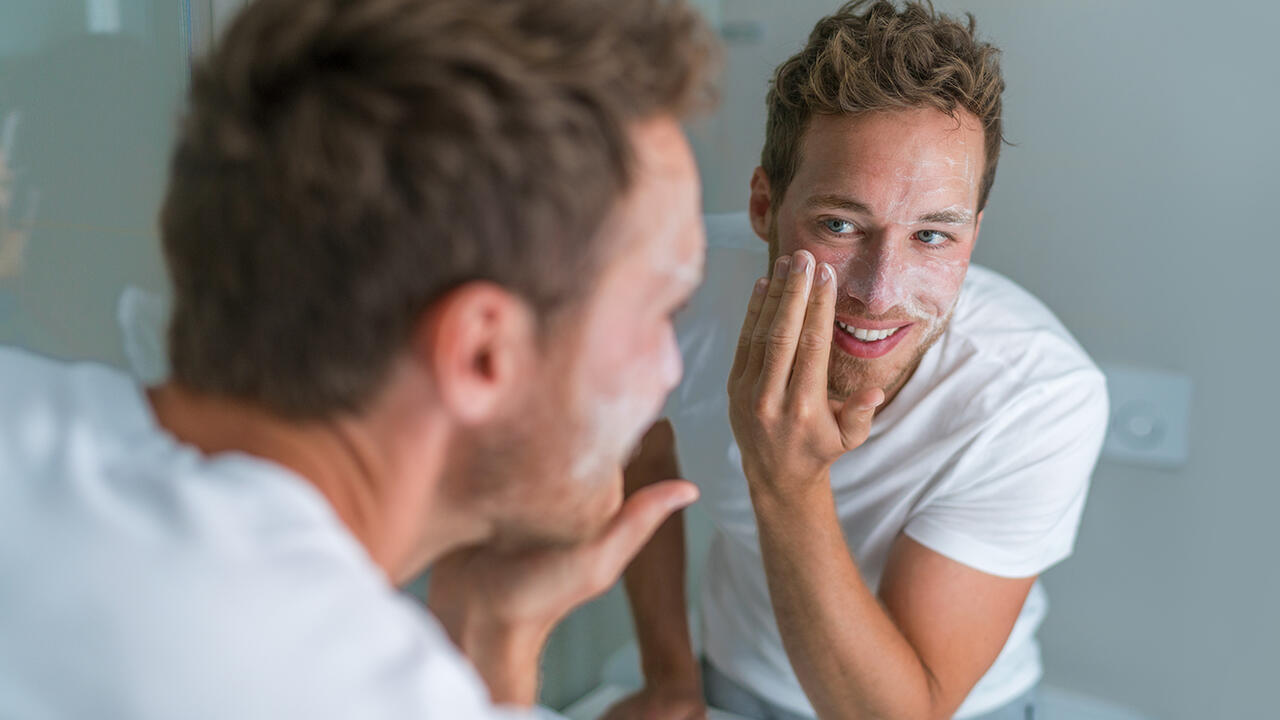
(802, 262)
(780, 268)
(689, 497)
(825, 274)
(761, 285)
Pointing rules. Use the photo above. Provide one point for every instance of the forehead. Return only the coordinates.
(658, 223)
(880, 153)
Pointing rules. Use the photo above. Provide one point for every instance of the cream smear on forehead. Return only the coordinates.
(936, 174)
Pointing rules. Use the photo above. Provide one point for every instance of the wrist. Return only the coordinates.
(674, 676)
(506, 657)
(789, 494)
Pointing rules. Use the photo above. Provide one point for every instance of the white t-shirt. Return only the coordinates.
(140, 579)
(984, 457)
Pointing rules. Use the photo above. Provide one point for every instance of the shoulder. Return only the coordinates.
(48, 406)
(242, 616)
(25, 377)
(228, 576)
(353, 644)
(1014, 353)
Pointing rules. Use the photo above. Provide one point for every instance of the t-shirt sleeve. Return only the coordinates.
(345, 648)
(1012, 503)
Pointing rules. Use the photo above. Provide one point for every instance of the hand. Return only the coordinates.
(659, 704)
(499, 605)
(788, 431)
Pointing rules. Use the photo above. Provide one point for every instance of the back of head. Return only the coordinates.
(344, 163)
(872, 56)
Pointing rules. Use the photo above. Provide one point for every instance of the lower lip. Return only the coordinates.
(869, 350)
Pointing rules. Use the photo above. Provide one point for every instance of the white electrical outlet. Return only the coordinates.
(1150, 416)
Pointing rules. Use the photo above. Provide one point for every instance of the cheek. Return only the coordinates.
(652, 371)
(645, 370)
(935, 283)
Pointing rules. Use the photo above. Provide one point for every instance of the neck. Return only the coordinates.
(397, 516)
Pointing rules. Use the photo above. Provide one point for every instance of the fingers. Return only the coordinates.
(856, 415)
(764, 323)
(784, 334)
(813, 347)
(640, 516)
(754, 305)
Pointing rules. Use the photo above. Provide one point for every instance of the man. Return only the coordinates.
(908, 440)
(402, 237)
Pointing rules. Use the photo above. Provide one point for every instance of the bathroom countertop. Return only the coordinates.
(592, 705)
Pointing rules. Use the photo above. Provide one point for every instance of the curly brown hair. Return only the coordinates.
(345, 163)
(871, 56)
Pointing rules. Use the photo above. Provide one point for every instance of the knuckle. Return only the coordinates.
(779, 335)
(793, 296)
(775, 361)
(801, 410)
(762, 406)
(813, 340)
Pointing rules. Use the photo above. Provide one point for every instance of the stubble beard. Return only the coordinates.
(520, 470)
(847, 375)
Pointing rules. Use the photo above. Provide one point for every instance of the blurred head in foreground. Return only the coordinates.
(452, 231)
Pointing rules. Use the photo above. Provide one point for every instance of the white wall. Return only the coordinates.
(1134, 204)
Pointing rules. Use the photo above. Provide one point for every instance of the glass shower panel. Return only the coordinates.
(89, 91)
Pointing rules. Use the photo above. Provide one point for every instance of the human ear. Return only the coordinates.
(478, 344)
(977, 226)
(760, 207)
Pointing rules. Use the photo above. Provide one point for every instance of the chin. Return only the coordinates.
(601, 507)
(576, 514)
(848, 374)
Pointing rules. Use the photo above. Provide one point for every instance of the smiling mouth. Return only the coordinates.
(866, 335)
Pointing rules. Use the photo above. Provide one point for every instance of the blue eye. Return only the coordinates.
(838, 226)
(932, 237)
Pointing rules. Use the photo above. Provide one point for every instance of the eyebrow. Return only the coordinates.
(949, 216)
(946, 216)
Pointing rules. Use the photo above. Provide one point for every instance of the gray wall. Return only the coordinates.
(1146, 150)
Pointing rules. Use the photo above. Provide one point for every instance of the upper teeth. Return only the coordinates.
(866, 335)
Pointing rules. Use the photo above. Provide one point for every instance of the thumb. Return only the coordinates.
(640, 516)
(855, 416)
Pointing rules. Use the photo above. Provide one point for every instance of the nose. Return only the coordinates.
(873, 277)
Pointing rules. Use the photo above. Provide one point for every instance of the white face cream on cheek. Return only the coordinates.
(614, 424)
(893, 286)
